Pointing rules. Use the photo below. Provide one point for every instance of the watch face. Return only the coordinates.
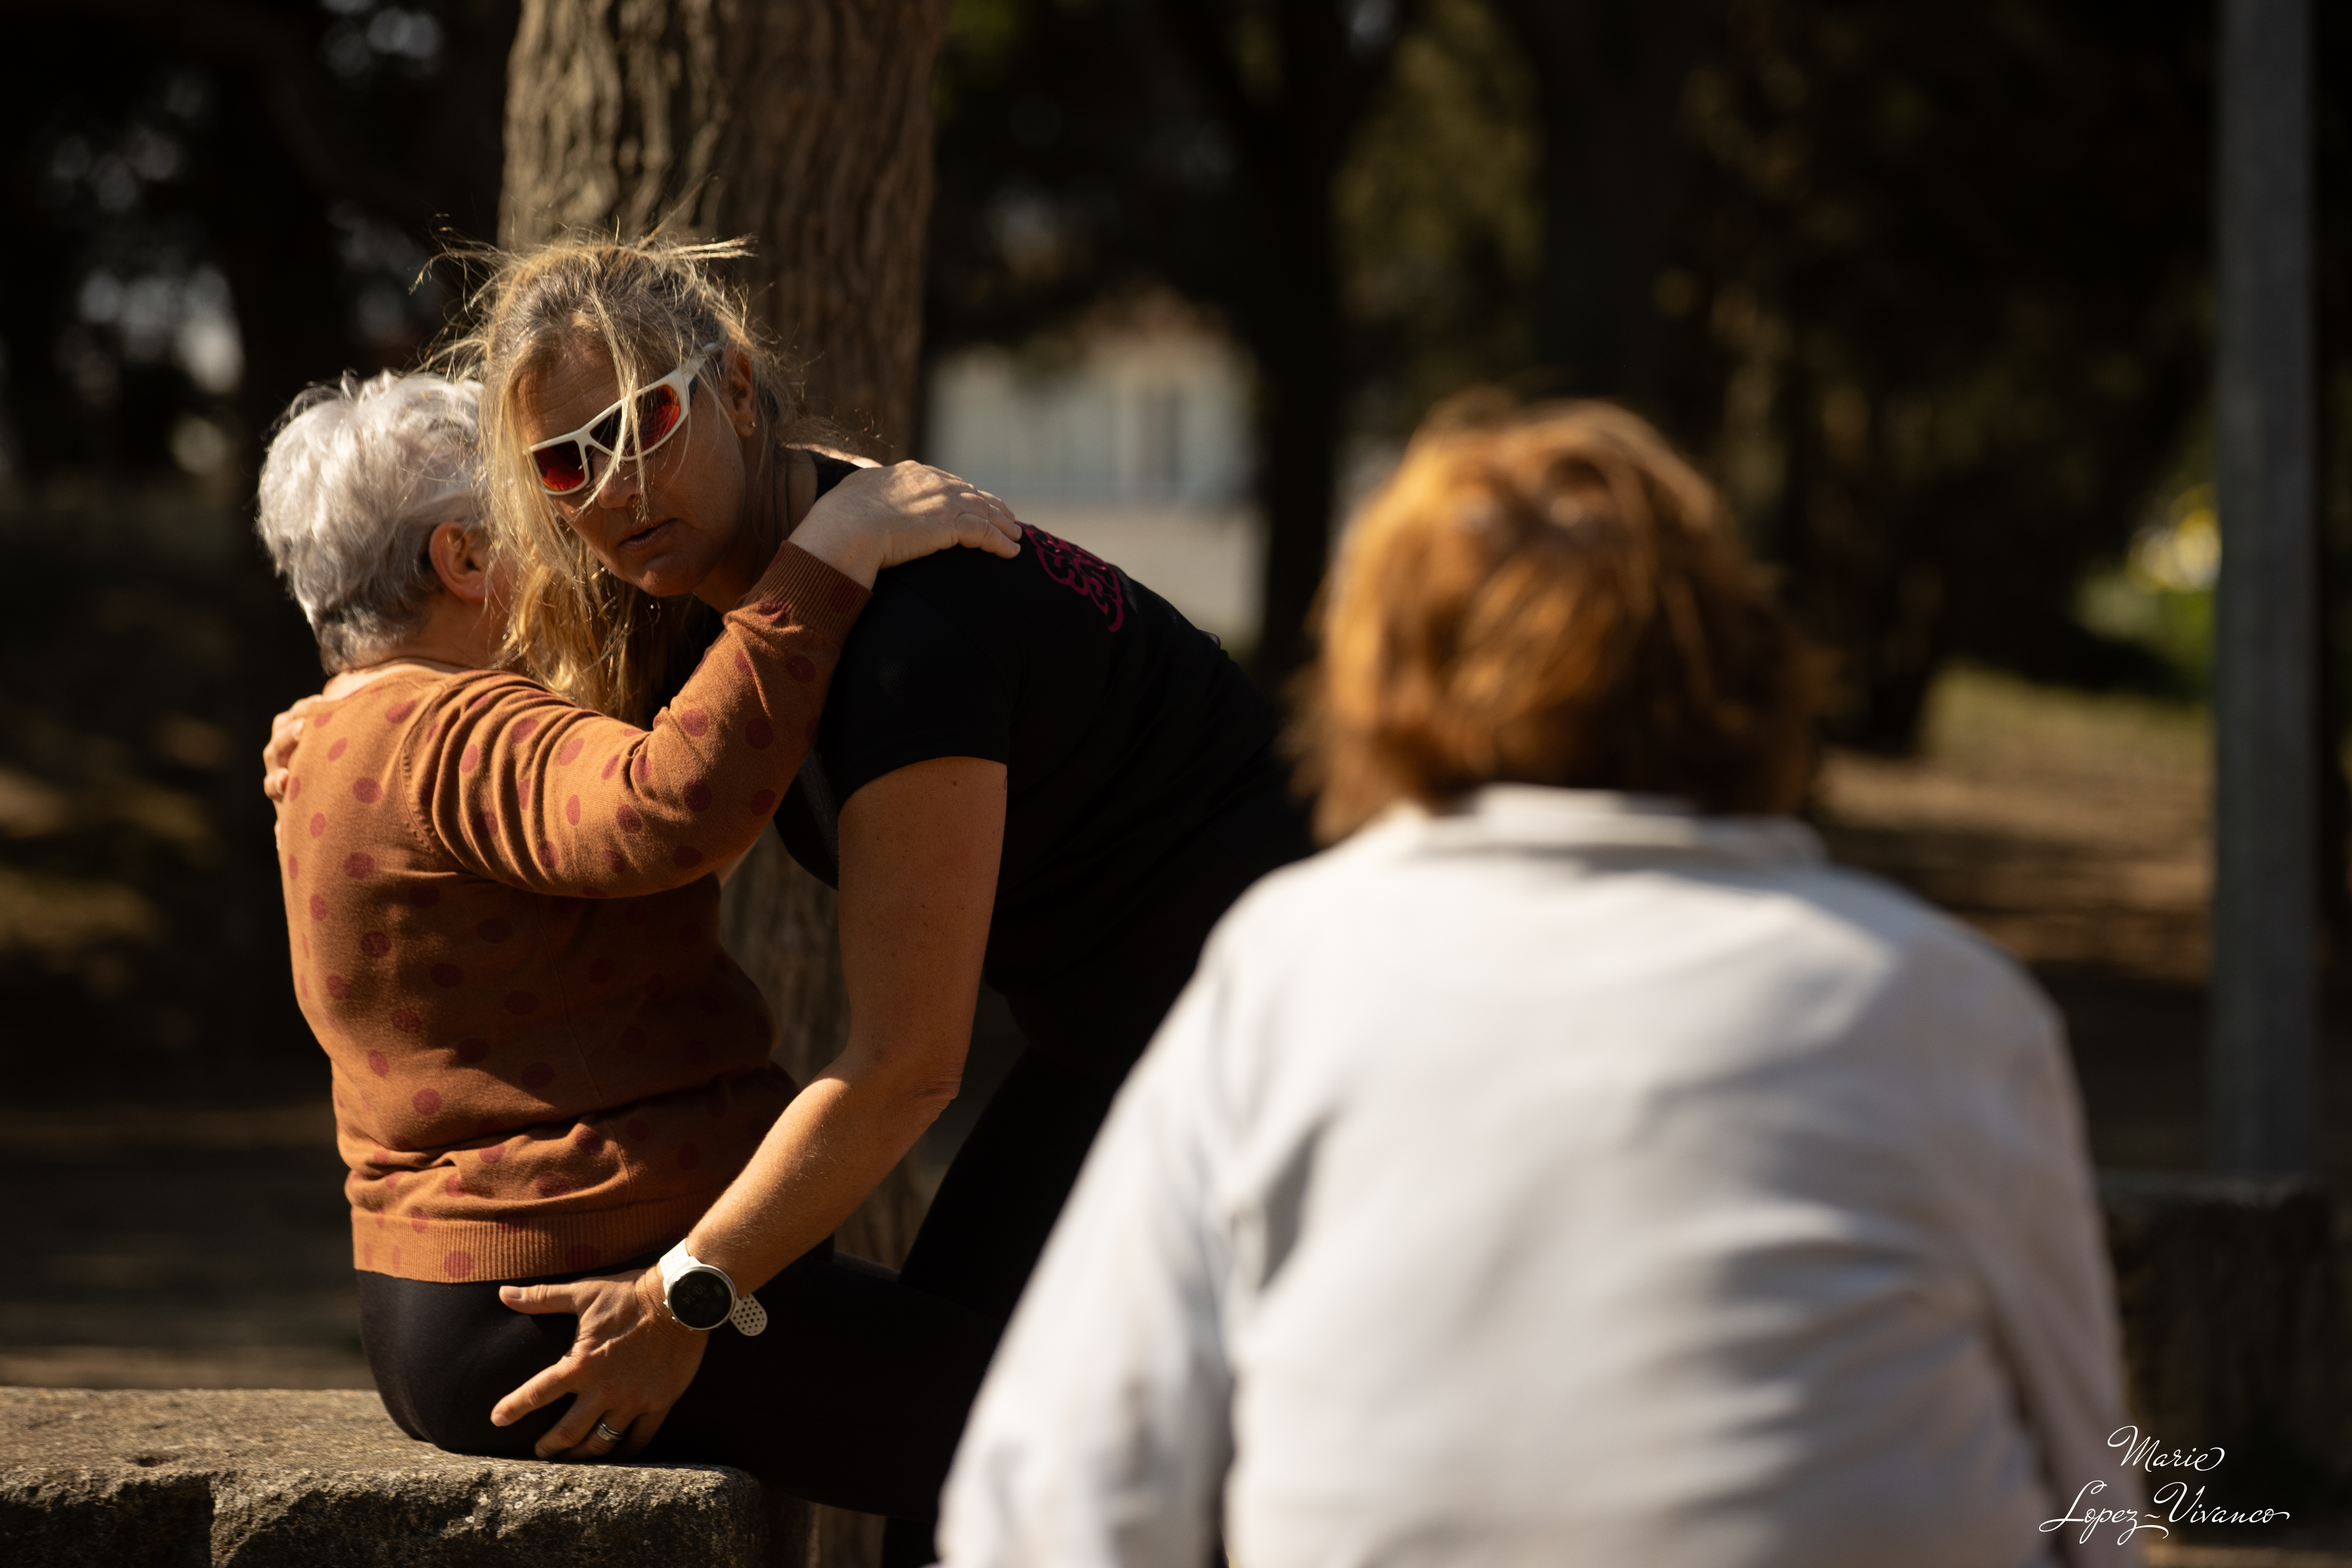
(700, 1299)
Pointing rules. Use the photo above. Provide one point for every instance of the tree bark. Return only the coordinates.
(804, 126)
(1291, 127)
(1612, 75)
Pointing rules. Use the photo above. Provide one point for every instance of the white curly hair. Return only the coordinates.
(357, 477)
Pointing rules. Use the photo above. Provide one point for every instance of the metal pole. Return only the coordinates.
(2265, 911)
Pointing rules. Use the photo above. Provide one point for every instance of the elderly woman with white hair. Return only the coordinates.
(504, 926)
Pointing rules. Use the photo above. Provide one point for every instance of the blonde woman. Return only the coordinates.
(1034, 775)
(1571, 1167)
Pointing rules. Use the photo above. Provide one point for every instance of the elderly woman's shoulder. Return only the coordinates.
(1895, 916)
(1327, 893)
(1918, 961)
(1448, 878)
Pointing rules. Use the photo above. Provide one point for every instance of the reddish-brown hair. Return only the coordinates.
(1558, 599)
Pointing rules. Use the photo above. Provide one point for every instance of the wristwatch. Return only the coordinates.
(701, 1297)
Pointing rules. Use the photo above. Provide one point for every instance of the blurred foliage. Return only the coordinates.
(1930, 289)
(1948, 315)
(1080, 160)
(2161, 597)
(215, 204)
(212, 203)
(1094, 149)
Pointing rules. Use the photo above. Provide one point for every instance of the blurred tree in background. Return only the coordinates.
(1613, 79)
(216, 202)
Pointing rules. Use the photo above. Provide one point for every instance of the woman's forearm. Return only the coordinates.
(919, 847)
(832, 1146)
(520, 785)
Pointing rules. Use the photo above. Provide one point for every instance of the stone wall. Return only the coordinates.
(241, 1478)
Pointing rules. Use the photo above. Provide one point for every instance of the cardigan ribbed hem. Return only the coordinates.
(799, 588)
(443, 1251)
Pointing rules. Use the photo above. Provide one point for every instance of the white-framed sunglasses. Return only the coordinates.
(564, 465)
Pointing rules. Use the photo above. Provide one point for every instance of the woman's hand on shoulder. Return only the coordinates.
(887, 516)
(285, 731)
(627, 1366)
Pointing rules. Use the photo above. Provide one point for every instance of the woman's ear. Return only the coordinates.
(738, 393)
(461, 559)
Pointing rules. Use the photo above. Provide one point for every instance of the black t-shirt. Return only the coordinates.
(1145, 786)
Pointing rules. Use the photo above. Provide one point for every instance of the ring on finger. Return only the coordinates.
(608, 1434)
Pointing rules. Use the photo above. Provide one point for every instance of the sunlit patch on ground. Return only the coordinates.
(2074, 830)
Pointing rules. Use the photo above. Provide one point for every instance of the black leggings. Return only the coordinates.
(855, 1395)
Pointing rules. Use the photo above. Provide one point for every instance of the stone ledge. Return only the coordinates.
(282, 1480)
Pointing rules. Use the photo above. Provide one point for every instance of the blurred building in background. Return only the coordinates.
(1129, 436)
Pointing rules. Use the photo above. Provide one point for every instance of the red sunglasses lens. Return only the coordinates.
(563, 468)
(657, 415)
(658, 412)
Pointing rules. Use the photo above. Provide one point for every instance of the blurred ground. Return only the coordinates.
(169, 1248)
(175, 1215)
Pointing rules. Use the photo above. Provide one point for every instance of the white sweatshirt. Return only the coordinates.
(1570, 1180)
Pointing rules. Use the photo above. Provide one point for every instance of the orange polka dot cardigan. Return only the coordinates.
(504, 934)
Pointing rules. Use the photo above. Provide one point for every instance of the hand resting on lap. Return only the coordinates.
(627, 1366)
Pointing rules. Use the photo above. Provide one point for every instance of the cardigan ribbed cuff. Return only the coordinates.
(799, 588)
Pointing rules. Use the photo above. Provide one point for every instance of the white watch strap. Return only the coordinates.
(677, 1261)
(749, 1317)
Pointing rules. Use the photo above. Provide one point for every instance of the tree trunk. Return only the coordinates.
(1612, 74)
(1299, 416)
(805, 126)
(1292, 124)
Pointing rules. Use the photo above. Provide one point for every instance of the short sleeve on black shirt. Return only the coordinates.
(926, 690)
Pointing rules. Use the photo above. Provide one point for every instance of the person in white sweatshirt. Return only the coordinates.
(1571, 1166)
